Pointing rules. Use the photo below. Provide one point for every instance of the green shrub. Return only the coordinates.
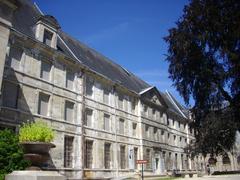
(36, 132)
(11, 154)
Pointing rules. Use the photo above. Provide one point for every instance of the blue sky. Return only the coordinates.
(130, 32)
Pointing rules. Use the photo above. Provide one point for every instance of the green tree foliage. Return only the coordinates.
(204, 64)
(11, 154)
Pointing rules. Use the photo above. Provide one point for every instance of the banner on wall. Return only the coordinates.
(131, 157)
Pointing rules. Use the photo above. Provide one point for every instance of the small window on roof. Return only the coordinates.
(47, 37)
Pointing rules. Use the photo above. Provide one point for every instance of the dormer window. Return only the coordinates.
(47, 37)
(46, 30)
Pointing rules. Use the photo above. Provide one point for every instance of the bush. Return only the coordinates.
(11, 154)
(36, 132)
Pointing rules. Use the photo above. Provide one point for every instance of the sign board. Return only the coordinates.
(141, 161)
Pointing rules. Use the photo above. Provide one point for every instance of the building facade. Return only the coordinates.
(105, 118)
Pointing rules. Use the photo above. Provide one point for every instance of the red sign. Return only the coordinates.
(142, 161)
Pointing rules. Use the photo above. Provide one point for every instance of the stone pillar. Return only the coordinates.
(7, 8)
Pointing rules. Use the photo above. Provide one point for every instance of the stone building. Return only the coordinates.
(105, 118)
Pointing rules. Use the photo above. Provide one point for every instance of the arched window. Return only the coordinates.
(238, 159)
(212, 161)
(225, 159)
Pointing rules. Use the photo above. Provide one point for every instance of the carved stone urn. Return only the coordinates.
(37, 153)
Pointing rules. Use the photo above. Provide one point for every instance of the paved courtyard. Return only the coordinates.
(222, 177)
(230, 177)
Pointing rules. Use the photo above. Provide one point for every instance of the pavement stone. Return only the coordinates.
(222, 177)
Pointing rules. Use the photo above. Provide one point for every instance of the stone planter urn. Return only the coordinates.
(37, 153)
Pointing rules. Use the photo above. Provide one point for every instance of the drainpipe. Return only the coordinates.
(82, 121)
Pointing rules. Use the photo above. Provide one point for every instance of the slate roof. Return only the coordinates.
(24, 21)
(173, 105)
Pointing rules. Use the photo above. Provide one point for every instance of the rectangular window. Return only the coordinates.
(155, 131)
(10, 95)
(157, 115)
(106, 96)
(15, 57)
(162, 132)
(163, 136)
(164, 159)
(106, 122)
(120, 101)
(135, 157)
(176, 161)
(190, 130)
(88, 154)
(122, 157)
(153, 112)
(125, 103)
(182, 161)
(68, 151)
(107, 155)
(179, 124)
(69, 80)
(45, 70)
(43, 104)
(89, 86)
(149, 112)
(145, 108)
(170, 161)
(148, 158)
(69, 111)
(121, 126)
(47, 37)
(133, 105)
(134, 127)
(88, 117)
(147, 130)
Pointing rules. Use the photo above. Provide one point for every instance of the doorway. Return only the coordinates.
(156, 163)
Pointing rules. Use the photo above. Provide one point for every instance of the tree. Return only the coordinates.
(204, 64)
(11, 154)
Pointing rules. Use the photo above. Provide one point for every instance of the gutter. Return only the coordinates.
(145, 90)
(170, 97)
(68, 48)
